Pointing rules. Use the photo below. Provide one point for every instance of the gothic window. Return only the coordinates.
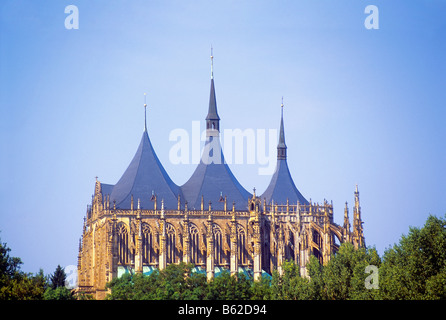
(241, 245)
(219, 255)
(317, 239)
(123, 244)
(290, 247)
(336, 242)
(148, 253)
(171, 250)
(195, 254)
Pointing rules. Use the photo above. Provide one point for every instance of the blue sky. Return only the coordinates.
(362, 106)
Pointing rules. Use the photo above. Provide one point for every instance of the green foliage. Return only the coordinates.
(344, 275)
(59, 293)
(261, 290)
(58, 278)
(290, 285)
(415, 268)
(57, 289)
(17, 285)
(227, 287)
(173, 283)
(24, 287)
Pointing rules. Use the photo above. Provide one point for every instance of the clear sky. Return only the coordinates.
(362, 106)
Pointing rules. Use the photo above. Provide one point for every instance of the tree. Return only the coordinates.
(176, 281)
(57, 289)
(229, 287)
(315, 272)
(58, 278)
(9, 267)
(290, 285)
(60, 293)
(261, 290)
(15, 284)
(415, 268)
(344, 275)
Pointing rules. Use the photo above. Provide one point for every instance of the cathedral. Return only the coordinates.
(145, 221)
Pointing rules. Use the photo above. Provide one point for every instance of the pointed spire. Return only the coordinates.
(281, 147)
(212, 118)
(357, 207)
(346, 219)
(145, 113)
(282, 185)
(358, 231)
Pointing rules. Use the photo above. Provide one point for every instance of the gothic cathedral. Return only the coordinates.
(145, 221)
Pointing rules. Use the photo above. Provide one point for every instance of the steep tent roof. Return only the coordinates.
(281, 186)
(145, 175)
(214, 180)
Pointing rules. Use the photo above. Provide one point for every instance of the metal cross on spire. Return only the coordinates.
(145, 113)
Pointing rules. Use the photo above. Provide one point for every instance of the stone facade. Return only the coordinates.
(258, 239)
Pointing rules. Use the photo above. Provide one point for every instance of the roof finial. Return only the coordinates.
(145, 113)
(212, 63)
(281, 108)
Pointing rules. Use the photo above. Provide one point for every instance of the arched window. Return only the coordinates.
(290, 247)
(170, 244)
(195, 254)
(317, 239)
(219, 254)
(148, 253)
(336, 241)
(123, 244)
(241, 245)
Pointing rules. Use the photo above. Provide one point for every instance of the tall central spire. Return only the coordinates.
(281, 147)
(212, 180)
(212, 119)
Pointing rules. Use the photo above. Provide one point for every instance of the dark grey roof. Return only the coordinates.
(212, 179)
(106, 188)
(144, 175)
(282, 187)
